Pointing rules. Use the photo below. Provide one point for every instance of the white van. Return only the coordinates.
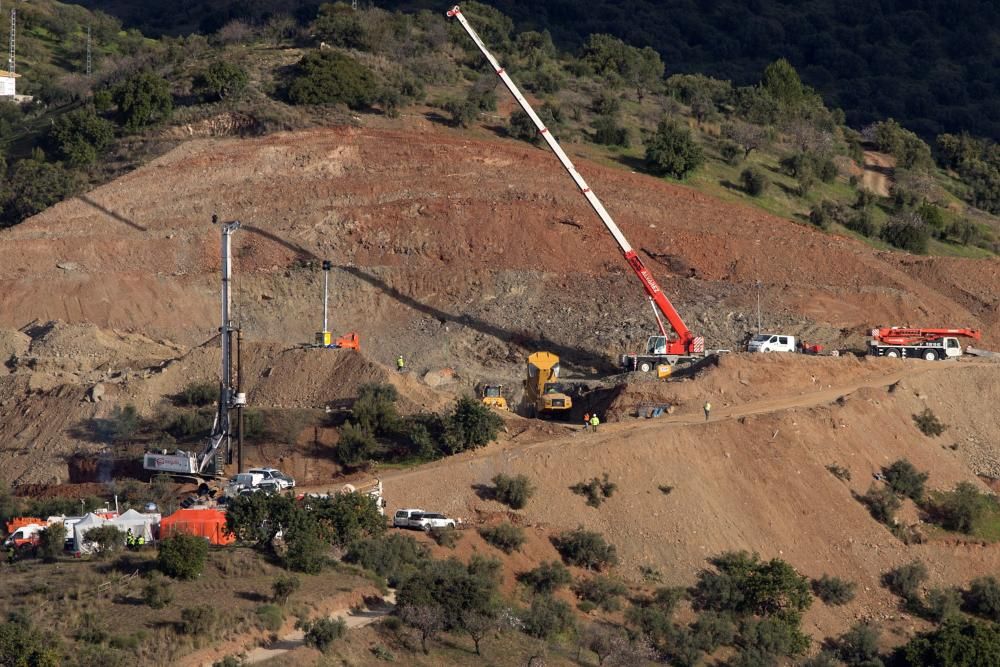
(772, 343)
(242, 481)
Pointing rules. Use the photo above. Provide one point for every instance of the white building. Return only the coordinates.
(7, 87)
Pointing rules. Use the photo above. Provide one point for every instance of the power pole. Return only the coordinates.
(88, 51)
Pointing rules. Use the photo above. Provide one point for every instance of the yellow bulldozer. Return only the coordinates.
(543, 394)
(492, 395)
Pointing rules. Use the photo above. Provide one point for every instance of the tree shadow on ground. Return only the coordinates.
(636, 164)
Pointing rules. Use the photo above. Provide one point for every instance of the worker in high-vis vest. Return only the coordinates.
(708, 409)
(594, 421)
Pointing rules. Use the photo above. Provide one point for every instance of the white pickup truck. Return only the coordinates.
(421, 520)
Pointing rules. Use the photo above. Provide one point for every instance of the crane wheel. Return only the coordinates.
(645, 367)
(892, 354)
(930, 355)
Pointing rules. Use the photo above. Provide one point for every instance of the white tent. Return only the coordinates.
(85, 524)
(140, 524)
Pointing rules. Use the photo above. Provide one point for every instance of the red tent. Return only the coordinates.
(207, 523)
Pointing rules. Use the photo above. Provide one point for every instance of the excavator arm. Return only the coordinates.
(686, 342)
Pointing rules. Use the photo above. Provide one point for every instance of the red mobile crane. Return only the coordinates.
(929, 344)
(659, 349)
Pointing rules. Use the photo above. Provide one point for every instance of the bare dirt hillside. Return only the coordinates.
(452, 249)
(878, 170)
(755, 478)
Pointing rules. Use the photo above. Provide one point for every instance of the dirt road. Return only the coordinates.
(878, 172)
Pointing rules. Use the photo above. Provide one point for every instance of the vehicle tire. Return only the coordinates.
(892, 354)
(930, 355)
(645, 366)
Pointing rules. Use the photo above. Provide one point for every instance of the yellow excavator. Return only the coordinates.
(492, 395)
(542, 391)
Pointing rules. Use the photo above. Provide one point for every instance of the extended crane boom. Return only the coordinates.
(686, 343)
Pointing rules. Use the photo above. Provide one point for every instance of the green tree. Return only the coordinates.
(470, 425)
(547, 577)
(608, 132)
(142, 100)
(744, 584)
(961, 509)
(182, 556)
(882, 504)
(283, 588)
(548, 617)
(641, 69)
(80, 136)
(157, 593)
(834, 590)
(601, 590)
(355, 447)
(671, 151)
(905, 480)
(339, 25)
(906, 580)
(320, 633)
(754, 181)
(859, 645)
(33, 186)
(51, 541)
(907, 232)
(394, 556)
(348, 517)
(221, 80)
(513, 491)
(983, 598)
(585, 548)
(955, 643)
(329, 77)
(505, 536)
(307, 544)
(453, 587)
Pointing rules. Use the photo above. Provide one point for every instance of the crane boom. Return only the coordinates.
(686, 342)
(905, 336)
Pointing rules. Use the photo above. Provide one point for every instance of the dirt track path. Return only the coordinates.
(296, 638)
(877, 176)
(820, 397)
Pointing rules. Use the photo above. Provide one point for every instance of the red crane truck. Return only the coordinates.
(929, 344)
(684, 346)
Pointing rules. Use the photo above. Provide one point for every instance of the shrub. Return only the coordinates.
(453, 587)
(905, 480)
(608, 132)
(463, 112)
(905, 580)
(596, 490)
(308, 545)
(182, 556)
(427, 619)
(520, 126)
(143, 99)
(862, 222)
(445, 537)
(585, 548)
(374, 410)
(744, 584)
(983, 598)
(221, 80)
(754, 181)
(270, 617)
(546, 578)
(283, 587)
(22, 644)
(840, 472)
(320, 633)
(355, 447)
(329, 77)
(601, 591)
(157, 593)
(943, 603)
(470, 425)
(32, 186)
(671, 151)
(859, 645)
(394, 556)
(961, 509)
(337, 24)
(200, 620)
(712, 630)
(928, 423)
(107, 538)
(548, 617)
(882, 504)
(833, 590)
(777, 635)
(505, 536)
(513, 491)
(730, 152)
(80, 136)
(198, 394)
(906, 232)
(955, 642)
(51, 542)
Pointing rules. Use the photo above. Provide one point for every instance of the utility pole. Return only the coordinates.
(758, 306)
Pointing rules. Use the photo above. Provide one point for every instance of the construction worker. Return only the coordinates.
(708, 409)
(400, 364)
(130, 540)
(586, 421)
(594, 421)
(140, 541)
